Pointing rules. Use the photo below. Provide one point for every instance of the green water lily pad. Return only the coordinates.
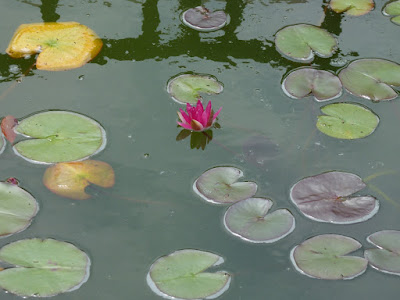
(187, 88)
(386, 258)
(352, 7)
(371, 79)
(219, 185)
(249, 220)
(347, 121)
(393, 9)
(181, 275)
(17, 209)
(44, 268)
(323, 257)
(300, 42)
(59, 136)
(306, 81)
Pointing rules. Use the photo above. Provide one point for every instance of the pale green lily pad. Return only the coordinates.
(219, 186)
(44, 268)
(59, 136)
(352, 7)
(393, 9)
(187, 88)
(386, 258)
(181, 275)
(249, 220)
(17, 209)
(347, 121)
(300, 42)
(323, 257)
(306, 81)
(371, 79)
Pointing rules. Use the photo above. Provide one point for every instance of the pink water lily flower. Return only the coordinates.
(196, 118)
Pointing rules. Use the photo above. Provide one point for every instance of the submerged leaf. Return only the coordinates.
(200, 18)
(306, 81)
(352, 7)
(323, 257)
(386, 258)
(7, 127)
(70, 179)
(44, 268)
(371, 79)
(393, 9)
(347, 121)
(301, 41)
(327, 197)
(59, 136)
(181, 275)
(61, 46)
(219, 185)
(259, 149)
(186, 88)
(17, 208)
(249, 220)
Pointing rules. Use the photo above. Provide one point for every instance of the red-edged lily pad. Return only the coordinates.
(70, 179)
(328, 197)
(7, 127)
(386, 257)
(324, 257)
(306, 81)
(352, 7)
(200, 18)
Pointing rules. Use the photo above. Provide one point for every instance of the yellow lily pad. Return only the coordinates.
(61, 46)
(70, 179)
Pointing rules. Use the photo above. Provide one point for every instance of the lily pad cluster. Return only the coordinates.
(392, 9)
(247, 218)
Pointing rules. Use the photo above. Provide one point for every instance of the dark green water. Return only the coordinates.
(152, 211)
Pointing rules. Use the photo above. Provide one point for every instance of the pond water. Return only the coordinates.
(152, 209)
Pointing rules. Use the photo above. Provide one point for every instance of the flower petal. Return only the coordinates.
(186, 126)
(196, 126)
(183, 116)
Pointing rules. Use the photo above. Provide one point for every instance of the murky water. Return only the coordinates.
(152, 211)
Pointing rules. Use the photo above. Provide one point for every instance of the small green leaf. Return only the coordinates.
(44, 268)
(352, 7)
(393, 9)
(181, 275)
(347, 121)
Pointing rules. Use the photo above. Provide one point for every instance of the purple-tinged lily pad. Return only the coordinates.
(201, 19)
(387, 257)
(393, 9)
(219, 186)
(371, 79)
(323, 257)
(306, 81)
(327, 197)
(347, 121)
(300, 42)
(249, 220)
(180, 275)
(186, 88)
(44, 268)
(352, 7)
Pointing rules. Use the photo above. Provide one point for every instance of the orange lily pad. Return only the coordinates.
(61, 46)
(7, 127)
(70, 179)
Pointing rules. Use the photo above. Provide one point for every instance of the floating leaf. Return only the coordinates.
(327, 197)
(44, 268)
(393, 9)
(17, 208)
(347, 121)
(249, 220)
(186, 88)
(61, 46)
(387, 257)
(70, 179)
(59, 136)
(303, 82)
(200, 18)
(181, 275)
(301, 41)
(7, 127)
(352, 7)
(323, 257)
(371, 79)
(259, 149)
(219, 185)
